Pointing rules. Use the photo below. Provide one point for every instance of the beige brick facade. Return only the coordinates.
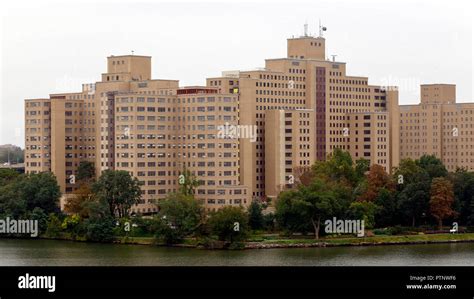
(301, 108)
(438, 126)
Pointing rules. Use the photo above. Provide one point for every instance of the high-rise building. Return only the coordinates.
(244, 135)
(343, 110)
(438, 126)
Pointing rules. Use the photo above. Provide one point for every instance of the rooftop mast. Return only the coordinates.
(321, 29)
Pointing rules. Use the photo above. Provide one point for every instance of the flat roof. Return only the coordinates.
(263, 70)
(130, 55)
(432, 84)
(305, 59)
(39, 99)
(197, 86)
(222, 77)
(306, 37)
(154, 80)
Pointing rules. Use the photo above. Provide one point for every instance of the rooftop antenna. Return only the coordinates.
(133, 52)
(333, 58)
(321, 29)
(306, 29)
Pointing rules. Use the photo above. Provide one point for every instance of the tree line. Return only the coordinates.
(99, 209)
(418, 193)
(11, 153)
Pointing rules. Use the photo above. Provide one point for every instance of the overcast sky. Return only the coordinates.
(55, 46)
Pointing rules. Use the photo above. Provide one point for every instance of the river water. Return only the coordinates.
(14, 252)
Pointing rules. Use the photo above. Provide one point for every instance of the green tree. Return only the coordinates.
(256, 220)
(42, 218)
(320, 204)
(229, 224)
(119, 190)
(433, 166)
(338, 167)
(26, 192)
(100, 230)
(471, 217)
(7, 176)
(361, 167)
(406, 172)
(85, 171)
(96, 208)
(339, 174)
(310, 205)
(463, 185)
(39, 190)
(182, 214)
(188, 182)
(269, 222)
(386, 214)
(413, 185)
(290, 214)
(364, 210)
(413, 199)
(11, 204)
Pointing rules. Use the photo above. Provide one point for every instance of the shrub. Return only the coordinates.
(142, 227)
(39, 215)
(169, 235)
(100, 230)
(382, 231)
(54, 228)
(72, 224)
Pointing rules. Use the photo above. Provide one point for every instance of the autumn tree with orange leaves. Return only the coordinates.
(441, 200)
(377, 179)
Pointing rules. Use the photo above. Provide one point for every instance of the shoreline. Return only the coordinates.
(291, 242)
(360, 244)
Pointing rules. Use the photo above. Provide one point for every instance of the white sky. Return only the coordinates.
(55, 46)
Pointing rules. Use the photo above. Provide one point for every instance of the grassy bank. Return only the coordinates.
(273, 242)
(277, 241)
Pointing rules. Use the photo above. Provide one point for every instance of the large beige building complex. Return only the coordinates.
(438, 126)
(245, 135)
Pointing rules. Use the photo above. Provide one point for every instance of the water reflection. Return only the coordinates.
(62, 253)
